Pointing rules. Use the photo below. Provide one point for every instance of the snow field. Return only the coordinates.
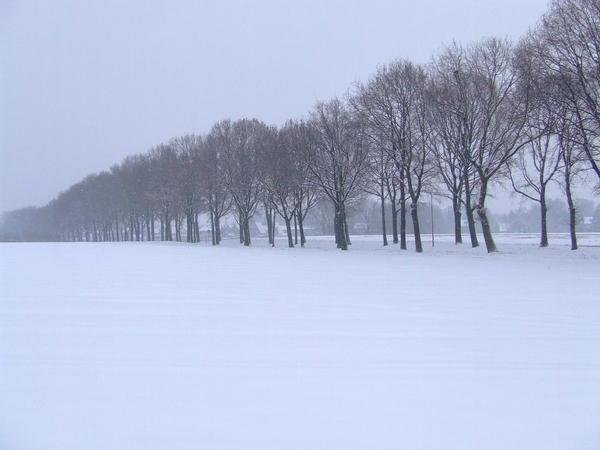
(178, 346)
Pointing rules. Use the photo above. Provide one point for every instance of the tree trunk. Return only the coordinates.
(295, 228)
(273, 227)
(469, 211)
(483, 218)
(217, 228)
(288, 229)
(168, 232)
(192, 228)
(402, 218)
(472, 230)
(242, 228)
(340, 222)
(383, 228)
(543, 218)
(215, 223)
(301, 226)
(394, 222)
(572, 210)
(457, 219)
(414, 213)
(247, 240)
(213, 231)
(336, 230)
(346, 231)
(269, 218)
(189, 235)
(487, 232)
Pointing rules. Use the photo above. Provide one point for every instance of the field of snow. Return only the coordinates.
(178, 346)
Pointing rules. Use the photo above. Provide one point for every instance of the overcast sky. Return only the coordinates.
(85, 83)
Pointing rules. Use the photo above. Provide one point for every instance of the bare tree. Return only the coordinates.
(288, 189)
(338, 160)
(572, 156)
(393, 104)
(239, 145)
(537, 164)
(382, 174)
(302, 136)
(163, 186)
(189, 196)
(380, 180)
(214, 189)
(280, 179)
(453, 120)
(386, 126)
(500, 105)
(568, 47)
(419, 162)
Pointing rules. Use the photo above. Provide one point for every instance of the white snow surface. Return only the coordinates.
(179, 346)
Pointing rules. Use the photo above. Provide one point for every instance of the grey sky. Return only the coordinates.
(85, 83)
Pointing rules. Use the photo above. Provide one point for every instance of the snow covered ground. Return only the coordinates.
(177, 346)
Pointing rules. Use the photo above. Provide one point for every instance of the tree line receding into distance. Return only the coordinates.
(474, 115)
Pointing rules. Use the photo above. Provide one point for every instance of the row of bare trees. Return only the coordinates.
(474, 115)
(236, 168)
(490, 110)
(561, 57)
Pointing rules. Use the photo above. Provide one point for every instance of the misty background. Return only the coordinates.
(84, 84)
